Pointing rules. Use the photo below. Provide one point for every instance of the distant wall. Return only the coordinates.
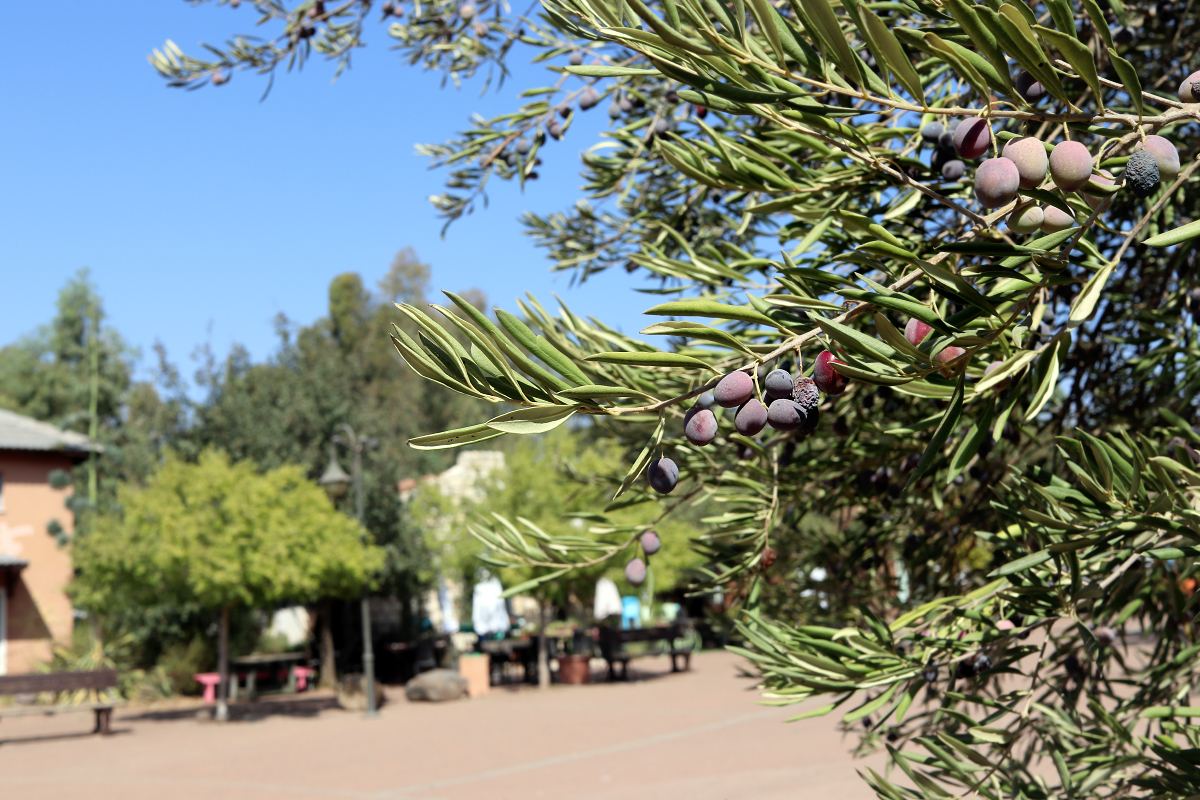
(39, 611)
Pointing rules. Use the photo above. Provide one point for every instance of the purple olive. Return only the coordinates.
(635, 572)
(663, 475)
(751, 418)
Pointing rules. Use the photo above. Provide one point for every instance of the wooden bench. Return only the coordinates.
(613, 649)
(35, 683)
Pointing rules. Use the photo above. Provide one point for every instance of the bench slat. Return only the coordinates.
(27, 711)
(57, 681)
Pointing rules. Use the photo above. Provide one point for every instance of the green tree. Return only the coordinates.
(1004, 495)
(224, 536)
(285, 409)
(77, 373)
(547, 487)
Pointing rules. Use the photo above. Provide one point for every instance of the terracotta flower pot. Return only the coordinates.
(574, 669)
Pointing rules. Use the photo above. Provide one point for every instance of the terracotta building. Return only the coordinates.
(35, 612)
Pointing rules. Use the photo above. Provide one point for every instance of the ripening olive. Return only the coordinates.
(1054, 219)
(734, 389)
(996, 182)
(945, 356)
(751, 418)
(1164, 153)
(1029, 154)
(1028, 87)
(784, 415)
(1025, 218)
(973, 138)
(1070, 166)
(827, 378)
(635, 572)
(1187, 89)
(930, 131)
(663, 475)
(650, 543)
(700, 426)
(916, 331)
(778, 382)
(953, 169)
(1104, 178)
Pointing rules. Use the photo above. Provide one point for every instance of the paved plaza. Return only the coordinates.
(698, 735)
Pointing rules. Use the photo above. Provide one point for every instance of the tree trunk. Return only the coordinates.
(223, 667)
(328, 665)
(543, 654)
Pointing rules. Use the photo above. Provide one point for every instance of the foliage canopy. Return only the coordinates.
(222, 535)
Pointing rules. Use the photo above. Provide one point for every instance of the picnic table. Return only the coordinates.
(426, 653)
(613, 643)
(521, 651)
(252, 665)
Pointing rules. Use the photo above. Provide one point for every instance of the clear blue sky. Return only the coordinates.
(204, 214)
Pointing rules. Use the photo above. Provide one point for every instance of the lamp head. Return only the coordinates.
(334, 481)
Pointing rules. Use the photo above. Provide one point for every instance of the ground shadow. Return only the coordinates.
(245, 711)
(56, 737)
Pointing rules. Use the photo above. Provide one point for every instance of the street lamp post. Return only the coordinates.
(335, 482)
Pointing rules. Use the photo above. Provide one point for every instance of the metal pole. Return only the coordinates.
(368, 649)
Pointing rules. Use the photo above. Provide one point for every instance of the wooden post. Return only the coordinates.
(543, 656)
(223, 667)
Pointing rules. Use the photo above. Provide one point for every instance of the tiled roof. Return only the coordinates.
(18, 432)
(12, 561)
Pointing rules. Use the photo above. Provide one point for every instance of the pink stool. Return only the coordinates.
(209, 681)
(302, 676)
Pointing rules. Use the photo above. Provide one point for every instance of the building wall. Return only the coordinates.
(39, 611)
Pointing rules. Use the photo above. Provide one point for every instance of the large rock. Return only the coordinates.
(352, 693)
(436, 685)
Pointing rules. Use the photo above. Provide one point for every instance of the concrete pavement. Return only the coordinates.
(698, 735)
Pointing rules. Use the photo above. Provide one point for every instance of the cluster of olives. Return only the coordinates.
(916, 332)
(1025, 162)
(635, 570)
(973, 665)
(944, 159)
(788, 404)
(588, 100)
(520, 150)
(626, 105)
